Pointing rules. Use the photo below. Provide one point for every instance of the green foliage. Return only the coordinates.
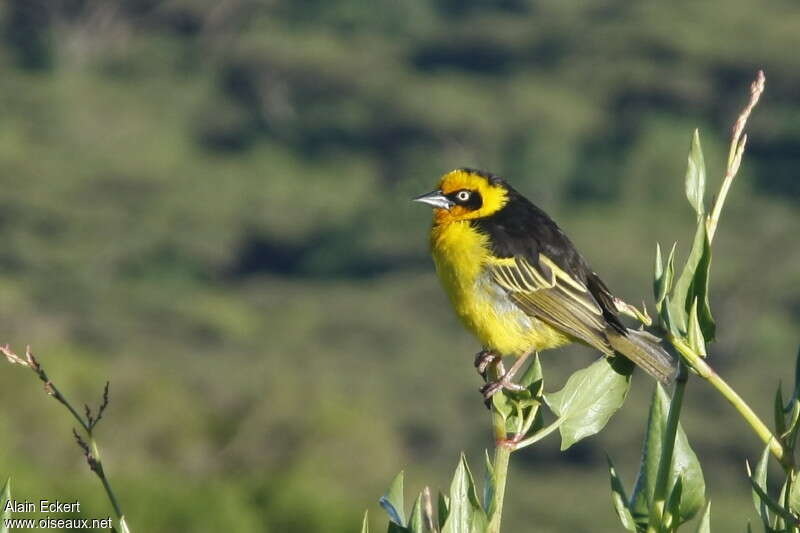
(696, 176)
(392, 501)
(692, 284)
(684, 471)
(589, 398)
(460, 512)
(620, 499)
(704, 526)
(582, 407)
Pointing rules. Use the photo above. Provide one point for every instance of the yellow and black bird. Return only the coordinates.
(518, 283)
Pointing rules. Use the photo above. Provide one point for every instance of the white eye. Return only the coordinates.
(462, 196)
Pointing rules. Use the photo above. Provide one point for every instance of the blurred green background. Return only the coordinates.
(206, 202)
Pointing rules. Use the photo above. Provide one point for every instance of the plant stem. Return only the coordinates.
(539, 435)
(123, 523)
(502, 453)
(91, 451)
(699, 365)
(667, 449)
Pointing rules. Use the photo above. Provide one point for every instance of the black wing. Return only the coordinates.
(545, 275)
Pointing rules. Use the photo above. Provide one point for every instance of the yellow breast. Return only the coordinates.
(460, 254)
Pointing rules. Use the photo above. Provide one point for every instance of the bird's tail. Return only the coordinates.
(645, 350)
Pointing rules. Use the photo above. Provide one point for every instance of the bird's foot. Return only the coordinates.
(504, 383)
(484, 359)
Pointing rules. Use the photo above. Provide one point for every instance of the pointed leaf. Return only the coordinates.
(780, 417)
(392, 501)
(659, 286)
(466, 514)
(587, 401)
(658, 275)
(693, 283)
(774, 506)
(793, 423)
(443, 508)
(672, 515)
(696, 176)
(415, 522)
(394, 528)
(664, 276)
(694, 334)
(759, 477)
(794, 496)
(684, 464)
(779, 523)
(620, 499)
(365, 523)
(488, 484)
(532, 375)
(502, 405)
(665, 316)
(705, 521)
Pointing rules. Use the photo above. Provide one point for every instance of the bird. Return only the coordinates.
(518, 283)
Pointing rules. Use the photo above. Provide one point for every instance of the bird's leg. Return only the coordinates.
(505, 380)
(486, 358)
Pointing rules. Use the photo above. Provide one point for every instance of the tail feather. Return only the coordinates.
(645, 350)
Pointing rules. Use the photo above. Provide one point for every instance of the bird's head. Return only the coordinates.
(466, 194)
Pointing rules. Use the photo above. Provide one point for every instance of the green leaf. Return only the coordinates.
(658, 279)
(705, 521)
(364, 523)
(673, 512)
(502, 405)
(465, 514)
(759, 477)
(5, 496)
(664, 276)
(793, 408)
(667, 321)
(794, 496)
(415, 522)
(587, 401)
(778, 412)
(694, 334)
(696, 176)
(532, 375)
(693, 283)
(443, 508)
(779, 523)
(620, 499)
(488, 483)
(767, 501)
(394, 528)
(393, 503)
(684, 465)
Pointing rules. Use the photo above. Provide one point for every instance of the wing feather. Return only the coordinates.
(546, 292)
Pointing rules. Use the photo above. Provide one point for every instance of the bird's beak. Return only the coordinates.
(435, 199)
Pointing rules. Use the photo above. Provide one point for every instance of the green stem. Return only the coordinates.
(539, 435)
(667, 449)
(697, 363)
(502, 453)
(107, 486)
(790, 480)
